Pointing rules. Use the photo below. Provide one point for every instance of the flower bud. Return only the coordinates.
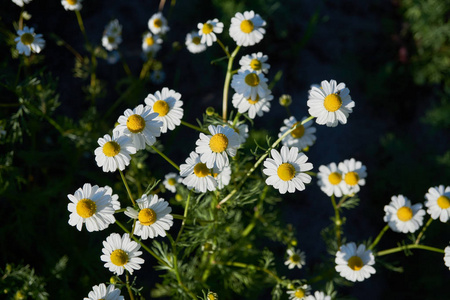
(210, 111)
(285, 100)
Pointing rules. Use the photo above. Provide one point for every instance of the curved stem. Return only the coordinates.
(194, 127)
(419, 237)
(378, 238)
(410, 246)
(223, 48)
(127, 187)
(227, 83)
(166, 158)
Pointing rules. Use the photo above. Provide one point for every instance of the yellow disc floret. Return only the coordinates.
(255, 64)
(111, 148)
(443, 202)
(196, 40)
(27, 38)
(295, 258)
(111, 39)
(247, 26)
(157, 23)
(404, 213)
(218, 142)
(201, 170)
(334, 178)
(135, 123)
(171, 181)
(147, 216)
(299, 293)
(161, 107)
(332, 102)
(86, 208)
(286, 171)
(351, 178)
(252, 79)
(149, 41)
(207, 28)
(355, 263)
(253, 102)
(72, 2)
(119, 257)
(298, 132)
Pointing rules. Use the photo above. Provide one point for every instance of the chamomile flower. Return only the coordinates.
(241, 130)
(331, 104)
(250, 84)
(113, 28)
(168, 106)
(141, 125)
(215, 148)
(114, 198)
(354, 264)
(153, 217)
(151, 43)
(158, 24)
(299, 293)
(403, 217)
(171, 180)
(301, 137)
(208, 30)
(121, 253)
(330, 180)
(197, 175)
(71, 4)
(101, 292)
(193, 43)
(254, 106)
(447, 256)
(28, 41)
(112, 35)
(353, 174)
(296, 258)
(93, 206)
(21, 3)
(247, 29)
(114, 153)
(255, 62)
(438, 202)
(318, 296)
(222, 177)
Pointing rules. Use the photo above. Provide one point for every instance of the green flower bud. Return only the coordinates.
(285, 100)
(210, 111)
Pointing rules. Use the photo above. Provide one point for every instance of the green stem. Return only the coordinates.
(248, 266)
(337, 221)
(342, 200)
(194, 127)
(180, 217)
(236, 119)
(227, 83)
(80, 23)
(166, 158)
(127, 187)
(186, 209)
(256, 214)
(130, 292)
(223, 47)
(419, 237)
(410, 246)
(378, 238)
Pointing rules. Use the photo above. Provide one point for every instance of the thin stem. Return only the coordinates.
(127, 187)
(419, 237)
(378, 238)
(236, 119)
(248, 266)
(194, 127)
(223, 47)
(337, 221)
(21, 18)
(180, 217)
(166, 158)
(186, 209)
(130, 292)
(410, 246)
(80, 23)
(227, 83)
(342, 200)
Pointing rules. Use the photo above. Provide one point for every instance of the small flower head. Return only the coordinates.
(241, 130)
(330, 180)
(285, 100)
(318, 296)
(71, 4)
(171, 181)
(101, 292)
(301, 137)
(193, 43)
(222, 177)
(250, 84)
(299, 293)
(151, 43)
(354, 264)
(167, 104)
(121, 253)
(197, 175)
(28, 41)
(247, 29)
(447, 256)
(438, 203)
(255, 62)
(296, 258)
(254, 106)
(21, 3)
(158, 24)
(402, 216)
(114, 153)
(353, 174)
(112, 35)
(212, 296)
(207, 31)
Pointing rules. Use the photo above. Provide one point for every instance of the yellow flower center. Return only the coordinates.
(119, 257)
(27, 38)
(72, 2)
(255, 64)
(252, 79)
(351, 178)
(196, 40)
(295, 258)
(443, 202)
(207, 28)
(86, 208)
(286, 171)
(335, 178)
(253, 102)
(298, 132)
(161, 107)
(171, 181)
(200, 170)
(355, 263)
(147, 216)
(218, 142)
(332, 102)
(299, 293)
(247, 26)
(149, 41)
(404, 213)
(157, 23)
(111, 149)
(111, 39)
(135, 123)
(211, 296)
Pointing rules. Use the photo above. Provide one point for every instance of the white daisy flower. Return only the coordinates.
(121, 253)
(114, 198)
(168, 106)
(71, 4)
(354, 264)
(255, 62)
(330, 104)
(438, 202)
(447, 256)
(299, 293)
(151, 43)
(246, 29)
(208, 31)
(198, 175)
(114, 152)
(112, 35)
(402, 216)
(250, 84)
(286, 170)
(193, 43)
(354, 174)
(113, 28)
(296, 258)
(215, 148)
(241, 130)
(254, 107)
(141, 125)
(28, 41)
(21, 3)
(302, 137)
(153, 217)
(222, 177)
(157, 76)
(158, 24)
(318, 296)
(171, 180)
(330, 180)
(101, 292)
(93, 206)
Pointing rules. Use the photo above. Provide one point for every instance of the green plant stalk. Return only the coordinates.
(337, 221)
(130, 292)
(180, 217)
(419, 237)
(236, 119)
(410, 246)
(378, 238)
(194, 127)
(226, 86)
(223, 47)
(186, 209)
(260, 160)
(166, 158)
(80, 23)
(256, 214)
(124, 96)
(145, 68)
(248, 266)
(127, 187)
(45, 116)
(342, 200)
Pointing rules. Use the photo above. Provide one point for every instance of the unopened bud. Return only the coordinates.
(285, 100)
(210, 111)
(178, 197)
